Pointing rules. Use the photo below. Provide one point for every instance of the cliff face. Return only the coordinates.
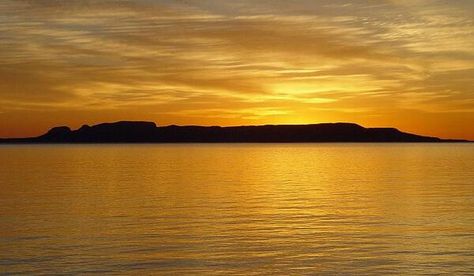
(56, 134)
(120, 132)
(148, 132)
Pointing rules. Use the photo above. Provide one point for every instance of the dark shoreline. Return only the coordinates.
(127, 132)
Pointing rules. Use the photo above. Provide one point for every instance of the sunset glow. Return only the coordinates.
(397, 63)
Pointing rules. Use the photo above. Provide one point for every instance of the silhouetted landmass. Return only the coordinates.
(148, 132)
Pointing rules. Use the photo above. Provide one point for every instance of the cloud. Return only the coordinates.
(266, 59)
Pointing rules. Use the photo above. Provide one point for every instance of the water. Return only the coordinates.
(240, 209)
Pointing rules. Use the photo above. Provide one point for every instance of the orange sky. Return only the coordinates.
(401, 63)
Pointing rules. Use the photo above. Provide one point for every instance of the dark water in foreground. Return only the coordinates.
(244, 209)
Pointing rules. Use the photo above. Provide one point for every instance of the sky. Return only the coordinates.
(383, 63)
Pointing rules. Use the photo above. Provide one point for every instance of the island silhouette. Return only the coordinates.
(149, 132)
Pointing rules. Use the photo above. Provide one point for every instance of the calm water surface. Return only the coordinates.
(242, 209)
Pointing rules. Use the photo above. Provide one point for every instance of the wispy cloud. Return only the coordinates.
(262, 60)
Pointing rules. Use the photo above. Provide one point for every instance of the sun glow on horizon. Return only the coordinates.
(404, 64)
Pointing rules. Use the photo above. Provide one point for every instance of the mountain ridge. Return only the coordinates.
(149, 132)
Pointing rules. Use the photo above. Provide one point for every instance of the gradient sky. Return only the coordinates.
(401, 63)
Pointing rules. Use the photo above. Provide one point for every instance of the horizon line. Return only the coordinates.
(156, 125)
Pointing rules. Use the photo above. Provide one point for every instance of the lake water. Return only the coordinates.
(237, 209)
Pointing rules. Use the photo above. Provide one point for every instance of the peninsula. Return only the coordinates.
(149, 132)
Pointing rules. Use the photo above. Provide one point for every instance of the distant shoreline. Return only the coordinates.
(135, 132)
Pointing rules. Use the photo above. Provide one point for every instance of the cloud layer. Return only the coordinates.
(400, 63)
